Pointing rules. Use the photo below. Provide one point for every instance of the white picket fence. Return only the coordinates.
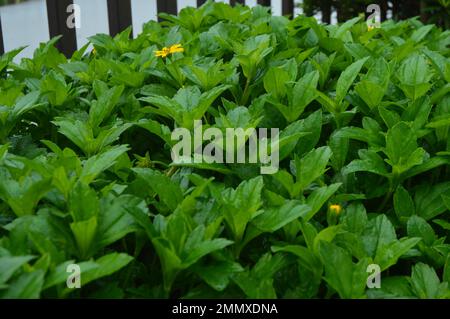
(26, 24)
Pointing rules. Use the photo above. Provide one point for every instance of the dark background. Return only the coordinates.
(429, 11)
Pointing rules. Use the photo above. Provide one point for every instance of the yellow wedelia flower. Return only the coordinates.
(166, 51)
(176, 48)
(336, 209)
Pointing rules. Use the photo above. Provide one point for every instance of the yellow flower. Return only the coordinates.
(94, 52)
(166, 51)
(370, 27)
(162, 53)
(336, 209)
(176, 48)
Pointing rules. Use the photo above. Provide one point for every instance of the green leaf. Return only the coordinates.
(309, 267)
(275, 218)
(428, 200)
(389, 117)
(170, 262)
(9, 265)
(59, 275)
(258, 282)
(275, 82)
(26, 103)
(348, 279)
(418, 227)
(76, 131)
(313, 125)
(441, 122)
(339, 146)
(288, 139)
(374, 85)
(24, 195)
(355, 218)
(168, 191)
(388, 254)
(27, 286)
(425, 166)
(379, 233)
(287, 180)
(205, 101)
(425, 283)
(444, 224)
(307, 258)
(326, 235)
(403, 203)
(215, 167)
(312, 166)
(318, 198)
(114, 220)
(446, 200)
(421, 32)
(392, 287)
(346, 79)
(418, 112)
(204, 248)
(82, 134)
(6, 58)
(100, 163)
(54, 86)
(107, 265)
(401, 148)
(309, 233)
(446, 275)
(304, 92)
(370, 133)
(107, 100)
(157, 128)
(328, 103)
(83, 202)
(414, 75)
(439, 61)
(218, 274)
(342, 29)
(84, 232)
(241, 205)
(165, 107)
(370, 162)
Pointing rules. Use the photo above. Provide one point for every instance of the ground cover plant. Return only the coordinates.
(87, 179)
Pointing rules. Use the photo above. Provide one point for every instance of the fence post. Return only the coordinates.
(2, 48)
(57, 25)
(234, 2)
(167, 6)
(288, 7)
(119, 16)
(265, 3)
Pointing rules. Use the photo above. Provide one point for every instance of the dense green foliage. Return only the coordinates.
(429, 11)
(86, 175)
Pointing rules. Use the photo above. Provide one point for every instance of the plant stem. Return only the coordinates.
(337, 119)
(393, 183)
(385, 201)
(171, 171)
(246, 92)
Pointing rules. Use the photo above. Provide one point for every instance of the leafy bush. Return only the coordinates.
(5, 2)
(364, 115)
(430, 11)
